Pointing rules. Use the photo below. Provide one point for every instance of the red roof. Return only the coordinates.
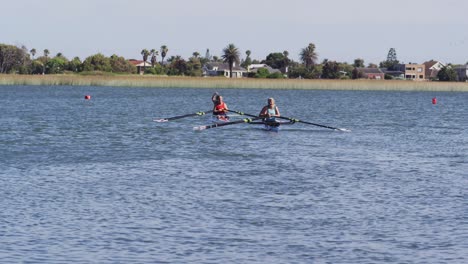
(135, 62)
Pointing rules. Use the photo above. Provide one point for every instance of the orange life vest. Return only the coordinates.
(220, 107)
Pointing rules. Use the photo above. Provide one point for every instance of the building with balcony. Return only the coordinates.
(412, 71)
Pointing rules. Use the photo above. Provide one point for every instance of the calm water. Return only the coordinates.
(98, 181)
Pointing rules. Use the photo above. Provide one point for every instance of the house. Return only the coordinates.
(140, 65)
(371, 73)
(462, 72)
(222, 69)
(397, 75)
(254, 68)
(413, 71)
(432, 69)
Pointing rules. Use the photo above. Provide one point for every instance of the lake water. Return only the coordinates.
(97, 181)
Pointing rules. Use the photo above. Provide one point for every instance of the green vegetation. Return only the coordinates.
(447, 74)
(391, 61)
(21, 61)
(277, 60)
(230, 56)
(164, 51)
(108, 79)
(309, 56)
(248, 60)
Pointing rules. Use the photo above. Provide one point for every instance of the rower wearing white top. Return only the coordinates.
(270, 111)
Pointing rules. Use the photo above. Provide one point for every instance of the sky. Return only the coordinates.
(342, 30)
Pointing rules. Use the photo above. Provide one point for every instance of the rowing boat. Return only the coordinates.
(273, 126)
(218, 119)
(223, 120)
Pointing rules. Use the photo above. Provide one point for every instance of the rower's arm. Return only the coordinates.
(277, 111)
(263, 112)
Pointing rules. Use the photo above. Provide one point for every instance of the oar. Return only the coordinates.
(182, 116)
(241, 113)
(245, 120)
(293, 120)
(310, 123)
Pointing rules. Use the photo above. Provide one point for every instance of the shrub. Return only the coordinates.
(276, 75)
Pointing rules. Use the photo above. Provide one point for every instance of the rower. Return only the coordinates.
(220, 109)
(269, 112)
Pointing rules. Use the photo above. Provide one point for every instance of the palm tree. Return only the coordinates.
(196, 54)
(247, 62)
(145, 53)
(154, 55)
(308, 55)
(46, 55)
(164, 51)
(230, 56)
(33, 53)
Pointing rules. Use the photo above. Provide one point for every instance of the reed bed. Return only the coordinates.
(225, 83)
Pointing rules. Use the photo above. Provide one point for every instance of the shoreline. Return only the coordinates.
(152, 81)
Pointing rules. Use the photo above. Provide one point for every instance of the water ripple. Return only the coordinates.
(100, 182)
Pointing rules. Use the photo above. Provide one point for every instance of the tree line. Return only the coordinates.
(20, 60)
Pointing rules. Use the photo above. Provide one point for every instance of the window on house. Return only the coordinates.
(419, 69)
(421, 76)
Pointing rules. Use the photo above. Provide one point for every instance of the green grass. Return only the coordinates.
(224, 83)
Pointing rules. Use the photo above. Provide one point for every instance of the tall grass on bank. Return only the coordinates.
(224, 83)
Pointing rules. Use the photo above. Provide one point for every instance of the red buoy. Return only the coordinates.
(434, 100)
(87, 97)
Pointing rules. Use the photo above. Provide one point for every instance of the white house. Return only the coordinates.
(222, 69)
(255, 67)
(432, 69)
(141, 65)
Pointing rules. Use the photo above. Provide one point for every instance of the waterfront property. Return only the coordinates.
(462, 72)
(371, 73)
(413, 71)
(222, 69)
(432, 68)
(255, 67)
(141, 65)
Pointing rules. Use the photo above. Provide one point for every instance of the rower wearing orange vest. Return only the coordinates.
(220, 109)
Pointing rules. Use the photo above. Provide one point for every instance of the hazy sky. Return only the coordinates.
(342, 30)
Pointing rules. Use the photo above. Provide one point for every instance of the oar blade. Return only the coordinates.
(161, 120)
(199, 128)
(200, 113)
(344, 129)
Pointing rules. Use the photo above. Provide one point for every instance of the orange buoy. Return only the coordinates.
(434, 100)
(87, 97)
